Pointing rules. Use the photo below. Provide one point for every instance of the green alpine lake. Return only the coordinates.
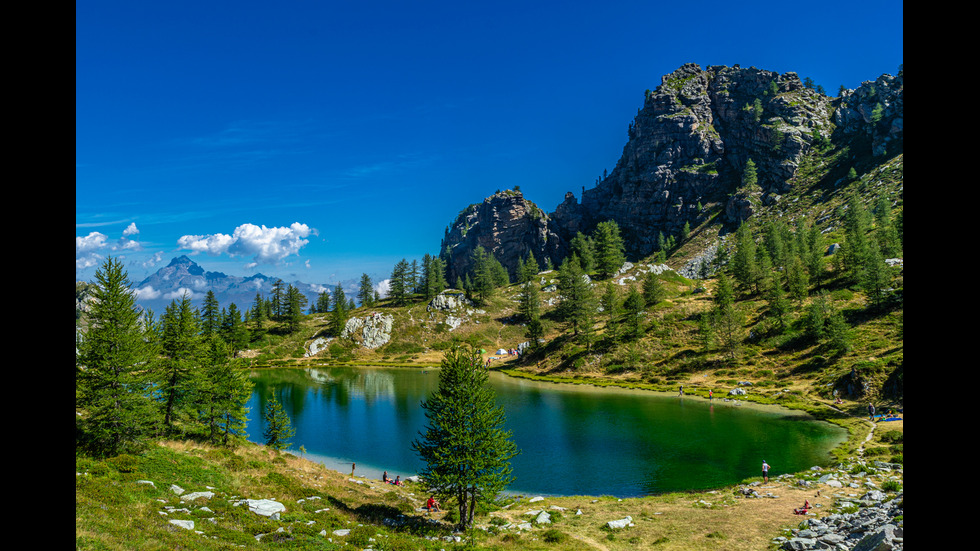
(574, 439)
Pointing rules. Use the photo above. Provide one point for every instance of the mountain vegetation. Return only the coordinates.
(790, 284)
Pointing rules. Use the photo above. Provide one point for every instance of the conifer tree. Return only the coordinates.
(531, 267)
(338, 312)
(112, 387)
(613, 309)
(577, 306)
(729, 320)
(210, 314)
(278, 429)
(180, 345)
(223, 391)
(529, 301)
(744, 265)
(295, 303)
(633, 307)
(584, 247)
(258, 316)
(465, 450)
(399, 286)
(365, 292)
(609, 255)
(653, 289)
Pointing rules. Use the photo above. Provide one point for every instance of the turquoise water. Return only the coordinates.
(574, 439)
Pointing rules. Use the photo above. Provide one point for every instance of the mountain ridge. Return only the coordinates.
(683, 164)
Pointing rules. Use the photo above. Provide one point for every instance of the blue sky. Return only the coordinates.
(316, 140)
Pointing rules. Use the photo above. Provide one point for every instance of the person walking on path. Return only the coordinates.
(765, 471)
(871, 412)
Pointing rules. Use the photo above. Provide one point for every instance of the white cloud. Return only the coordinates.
(383, 288)
(147, 293)
(179, 293)
(88, 249)
(264, 245)
(92, 242)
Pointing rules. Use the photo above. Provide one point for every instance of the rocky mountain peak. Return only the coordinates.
(688, 149)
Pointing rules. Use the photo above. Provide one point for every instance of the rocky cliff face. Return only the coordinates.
(504, 224)
(688, 147)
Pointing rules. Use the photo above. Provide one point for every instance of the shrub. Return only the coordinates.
(554, 536)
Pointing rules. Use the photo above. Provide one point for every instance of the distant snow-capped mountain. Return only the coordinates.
(183, 275)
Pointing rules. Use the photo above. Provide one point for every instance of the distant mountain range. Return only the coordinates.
(184, 275)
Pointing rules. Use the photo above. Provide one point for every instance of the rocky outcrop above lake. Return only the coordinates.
(504, 224)
(371, 331)
(688, 149)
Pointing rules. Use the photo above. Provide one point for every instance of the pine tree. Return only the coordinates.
(278, 431)
(210, 314)
(633, 307)
(876, 277)
(729, 320)
(338, 313)
(223, 392)
(464, 448)
(278, 300)
(608, 248)
(399, 286)
(653, 289)
(529, 301)
(613, 309)
(180, 347)
(258, 316)
(112, 389)
(365, 292)
(234, 331)
(531, 267)
(577, 306)
(584, 247)
(295, 303)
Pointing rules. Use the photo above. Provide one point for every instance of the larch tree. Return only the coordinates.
(465, 450)
(112, 387)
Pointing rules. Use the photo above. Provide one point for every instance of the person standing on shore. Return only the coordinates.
(352, 466)
(765, 471)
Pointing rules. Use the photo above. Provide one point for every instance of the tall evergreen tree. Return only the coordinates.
(584, 247)
(399, 287)
(608, 248)
(744, 266)
(295, 304)
(112, 387)
(223, 392)
(465, 450)
(531, 267)
(728, 318)
(278, 300)
(612, 308)
(365, 291)
(258, 316)
(633, 306)
(181, 348)
(653, 289)
(857, 224)
(234, 331)
(529, 301)
(338, 312)
(278, 429)
(578, 303)
(210, 314)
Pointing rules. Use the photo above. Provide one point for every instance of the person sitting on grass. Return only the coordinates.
(432, 504)
(803, 510)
